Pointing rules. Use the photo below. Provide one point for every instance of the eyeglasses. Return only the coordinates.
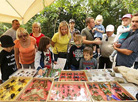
(21, 36)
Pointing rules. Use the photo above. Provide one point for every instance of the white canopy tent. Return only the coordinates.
(23, 10)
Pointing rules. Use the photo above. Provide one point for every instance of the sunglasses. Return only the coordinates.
(21, 36)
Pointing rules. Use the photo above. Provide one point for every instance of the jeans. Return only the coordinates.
(73, 67)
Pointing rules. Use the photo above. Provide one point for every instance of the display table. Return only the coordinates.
(96, 85)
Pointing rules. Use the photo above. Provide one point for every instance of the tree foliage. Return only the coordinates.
(50, 17)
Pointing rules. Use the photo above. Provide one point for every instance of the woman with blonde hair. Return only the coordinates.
(25, 46)
(60, 40)
(36, 32)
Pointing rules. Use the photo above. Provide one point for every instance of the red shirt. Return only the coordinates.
(37, 38)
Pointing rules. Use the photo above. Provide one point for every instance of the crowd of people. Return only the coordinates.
(94, 47)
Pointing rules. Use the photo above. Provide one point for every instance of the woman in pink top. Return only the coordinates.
(36, 29)
(25, 46)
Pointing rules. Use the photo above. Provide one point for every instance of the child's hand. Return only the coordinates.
(55, 62)
(94, 28)
(19, 66)
(41, 72)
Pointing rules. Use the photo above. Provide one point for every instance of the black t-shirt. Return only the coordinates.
(75, 55)
(7, 62)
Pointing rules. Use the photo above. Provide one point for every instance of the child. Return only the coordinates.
(7, 60)
(122, 32)
(98, 30)
(75, 53)
(88, 62)
(43, 57)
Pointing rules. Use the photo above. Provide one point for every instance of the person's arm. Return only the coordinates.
(95, 63)
(81, 65)
(90, 42)
(52, 43)
(16, 53)
(123, 51)
(37, 63)
(101, 31)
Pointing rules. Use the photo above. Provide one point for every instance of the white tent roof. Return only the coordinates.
(23, 10)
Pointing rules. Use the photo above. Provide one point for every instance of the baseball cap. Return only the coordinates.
(6, 41)
(110, 28)
(71, 20)
(127, 16)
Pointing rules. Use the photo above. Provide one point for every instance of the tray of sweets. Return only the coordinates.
(108, 91)
(24, 72)
(12, 87)
(73, 76)
(69, 91)
(98, 75)
(36, 90)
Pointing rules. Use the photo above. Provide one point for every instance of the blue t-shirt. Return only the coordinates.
(98, 34)
(131, 44)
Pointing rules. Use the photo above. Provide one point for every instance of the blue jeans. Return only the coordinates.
(55, 57)
(3, 81)
(73, 67)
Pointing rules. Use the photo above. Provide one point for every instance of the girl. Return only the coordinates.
(43, 57)
(60, 40)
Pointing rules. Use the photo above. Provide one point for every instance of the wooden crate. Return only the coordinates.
(87, 83)
(69, 85)
(72, 75)
(28, 86)
(9, 81)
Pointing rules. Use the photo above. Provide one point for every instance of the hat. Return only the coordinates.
(71, 20)
(110, 28)
(6, 41)
(127, 16)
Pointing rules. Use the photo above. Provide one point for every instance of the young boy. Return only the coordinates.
(88, 62)
(122, 32)
(7, 60)
(75, 53)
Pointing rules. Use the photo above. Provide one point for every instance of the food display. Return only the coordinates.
(69, 91)
(37, 90)
(12, 87)
(108, 91)
(98, 75)
(24, 72)
(73, 76)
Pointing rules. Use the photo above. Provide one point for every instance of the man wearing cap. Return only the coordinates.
(12, 31)
(127, 53)
(72, 28)
(87, 34)
(7, 59)
(107, 47)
